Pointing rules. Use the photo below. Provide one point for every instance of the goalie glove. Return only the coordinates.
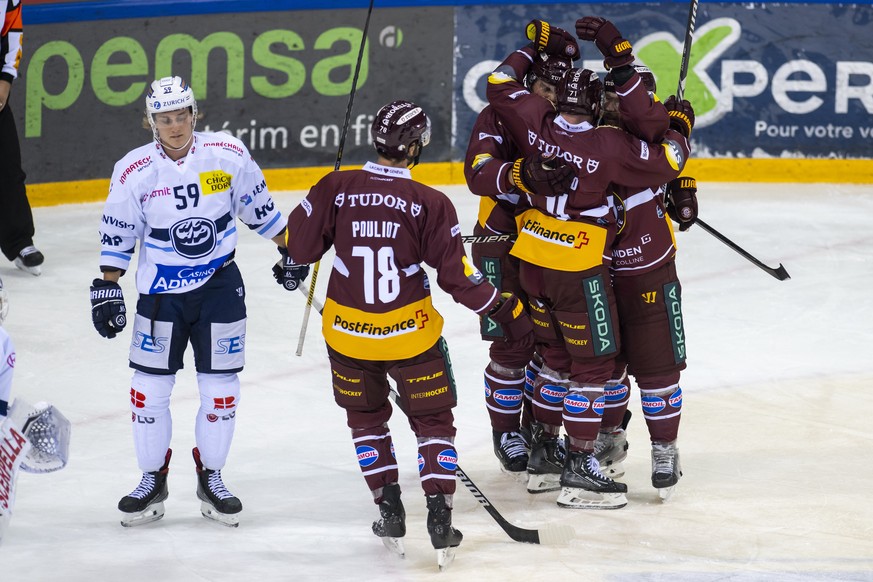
(541, 175)
(681, 201)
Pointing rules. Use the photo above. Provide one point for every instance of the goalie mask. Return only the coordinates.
(166, 95)
(580, 92)
(397, 127)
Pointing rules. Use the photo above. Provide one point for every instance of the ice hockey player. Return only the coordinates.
(33, 439)
(496, 171)
(649, 300)
(180, 196)
(564, 244)
(378, 318)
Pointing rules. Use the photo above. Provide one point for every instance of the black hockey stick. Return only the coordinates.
(549, 535)
(336, 166)
(779, 272)
(487, 238)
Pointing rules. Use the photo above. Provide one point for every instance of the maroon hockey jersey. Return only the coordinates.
(645, 239)
(383, 225)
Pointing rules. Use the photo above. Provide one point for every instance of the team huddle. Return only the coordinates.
(572, 275)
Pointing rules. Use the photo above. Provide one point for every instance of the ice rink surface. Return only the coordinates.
(776, 440)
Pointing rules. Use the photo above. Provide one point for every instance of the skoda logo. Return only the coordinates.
(193, 237)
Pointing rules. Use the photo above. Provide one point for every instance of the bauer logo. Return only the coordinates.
(193, 238)
(366, 455)
(552, 393)
(653, 404)
(448, 460)
(576, 404)
(675, 399)
(615, 393)
(508, 398)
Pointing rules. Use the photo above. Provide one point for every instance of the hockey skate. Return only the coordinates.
(218, 503)
(545, 462)
(443, 536)
(145, 504)
(29, 259)
(666, 469)
(391, 527)
(511, 449)
(583, 486)
(611, 449)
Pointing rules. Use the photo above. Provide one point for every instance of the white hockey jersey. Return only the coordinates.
(7, 366)
(184, 212)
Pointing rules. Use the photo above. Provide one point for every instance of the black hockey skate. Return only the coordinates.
(29, 259)
(583, 486)
(391, 527)
(443, 536)
(219, 504)
(546, 461)
(666, 470)
(611, 449)
(511, 449)
(145, 504)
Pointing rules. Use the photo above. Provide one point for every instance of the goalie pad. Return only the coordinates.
(48, 433)
(14, 446)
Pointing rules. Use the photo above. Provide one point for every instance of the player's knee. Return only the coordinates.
(150, 394)
(219, 394)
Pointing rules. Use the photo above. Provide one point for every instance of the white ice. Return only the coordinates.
(776, 442)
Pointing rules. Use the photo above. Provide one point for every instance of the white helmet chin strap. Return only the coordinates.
(182, 147)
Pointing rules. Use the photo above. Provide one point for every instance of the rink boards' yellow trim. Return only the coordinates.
(447, 173)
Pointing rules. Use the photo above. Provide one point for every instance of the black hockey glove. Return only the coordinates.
(681, 115)
(513, 319)
(541, 175)
(107, 308)
(552, 40)
(681, 200)
(616, 50)
(288, 274)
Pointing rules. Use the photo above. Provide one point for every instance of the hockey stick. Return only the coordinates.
(487, 238)
(336, 166)
(779, 272)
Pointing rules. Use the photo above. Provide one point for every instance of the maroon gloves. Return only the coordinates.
(541, 175)
(552, 40)
(681, 195)
(615, 49)
(681, 115)
(512, 317)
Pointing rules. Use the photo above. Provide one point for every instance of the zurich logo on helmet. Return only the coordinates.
(366, 455)
(508, 398)
(576, 404)
(653, 404)
(448, 459)
(553, 394)
(675, 399)
(156, 105)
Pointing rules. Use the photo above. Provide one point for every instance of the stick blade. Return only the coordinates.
(780, 273)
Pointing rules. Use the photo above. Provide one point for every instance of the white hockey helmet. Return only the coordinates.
(169, 94)
(4, 303)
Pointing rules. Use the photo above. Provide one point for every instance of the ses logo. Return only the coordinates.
(150, 343)
(230, 345)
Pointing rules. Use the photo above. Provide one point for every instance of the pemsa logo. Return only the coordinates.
(120, 70)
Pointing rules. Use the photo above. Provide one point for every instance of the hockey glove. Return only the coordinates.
(681, 200)
(681, 115)
(552, 40)
(107, 308)
(288, 274)
(616, 50)
(513, 319)
(541, 175)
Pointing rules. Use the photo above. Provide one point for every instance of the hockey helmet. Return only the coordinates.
(169, 94)
(397, 126)
(643, 71)
(547, 68)
(4, 303)
(580, 92)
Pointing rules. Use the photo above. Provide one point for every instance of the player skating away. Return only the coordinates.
(649, 300)
(378, 318)
(488, 169)
(564, 244)
(180, 197)
(34, 439)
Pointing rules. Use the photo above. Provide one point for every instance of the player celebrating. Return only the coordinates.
(488, 168)
(378, 318)
(179, 196)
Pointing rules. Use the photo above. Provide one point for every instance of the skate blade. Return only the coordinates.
(35, 271)
(666, 494)
(210, 513)
(576, 498)
(153, 512)
(445, 557)
(395, 546)
(543, 483)
(518, 476)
